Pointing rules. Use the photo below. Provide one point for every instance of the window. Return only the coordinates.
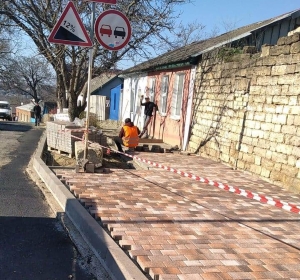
(177, 96)
(4, 106)
(152, 89)
(164, 94)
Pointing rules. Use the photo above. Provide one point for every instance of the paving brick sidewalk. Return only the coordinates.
(178, 228)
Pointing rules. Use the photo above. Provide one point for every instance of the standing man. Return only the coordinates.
(37, 113)
(150, 109)
(128, 136)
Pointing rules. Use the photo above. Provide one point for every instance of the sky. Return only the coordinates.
(226, 15)
(222, 15)
(214, 13)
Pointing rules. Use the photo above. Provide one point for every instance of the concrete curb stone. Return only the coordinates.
(112, 257)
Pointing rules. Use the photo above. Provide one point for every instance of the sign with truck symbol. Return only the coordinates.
(112, 30)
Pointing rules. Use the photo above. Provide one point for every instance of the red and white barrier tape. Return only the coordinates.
(73, 130)
(261, 198)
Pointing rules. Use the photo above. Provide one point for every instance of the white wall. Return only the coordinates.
(98, 106)
(133, 88)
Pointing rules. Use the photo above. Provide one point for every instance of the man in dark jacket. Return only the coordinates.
(37, 113)
(128, 136)
(150, 109)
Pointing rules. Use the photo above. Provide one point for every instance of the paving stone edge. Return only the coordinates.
(118, 265)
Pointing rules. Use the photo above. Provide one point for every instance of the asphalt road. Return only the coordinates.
(33, 243)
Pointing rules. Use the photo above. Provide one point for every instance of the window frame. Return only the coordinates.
(152, 89)
(177, 97)
(164, 94)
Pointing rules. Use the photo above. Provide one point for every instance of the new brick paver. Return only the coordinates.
(177, 228)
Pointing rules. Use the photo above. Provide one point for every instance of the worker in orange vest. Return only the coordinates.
(128, 136)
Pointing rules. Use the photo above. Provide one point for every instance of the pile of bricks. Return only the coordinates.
(62, 136)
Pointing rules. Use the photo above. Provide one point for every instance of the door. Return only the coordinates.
(114, 103)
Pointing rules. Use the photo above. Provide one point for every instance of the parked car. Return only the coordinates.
(119, 31)
(5, 111)
(105, 29)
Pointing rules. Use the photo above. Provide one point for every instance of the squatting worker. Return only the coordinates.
(150, 109)
(128, 136)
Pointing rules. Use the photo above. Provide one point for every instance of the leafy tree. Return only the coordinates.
(148, 18)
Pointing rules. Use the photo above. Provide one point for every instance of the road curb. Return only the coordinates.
(118, 265)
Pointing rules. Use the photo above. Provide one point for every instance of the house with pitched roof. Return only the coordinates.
(169, 78)
(167, 81)
(105, 95)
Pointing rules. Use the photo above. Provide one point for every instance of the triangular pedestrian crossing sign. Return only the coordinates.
(69, 29)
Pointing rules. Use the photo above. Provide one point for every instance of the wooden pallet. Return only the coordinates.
(60, 152)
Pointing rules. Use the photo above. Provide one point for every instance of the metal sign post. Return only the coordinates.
(86, 139)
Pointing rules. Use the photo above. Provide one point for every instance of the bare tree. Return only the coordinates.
(28, 76)
(182, 35)
(148, 19)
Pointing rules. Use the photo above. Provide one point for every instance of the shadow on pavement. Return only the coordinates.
(37, 248)
(14, 126)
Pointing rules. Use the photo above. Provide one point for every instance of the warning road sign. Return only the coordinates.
(112, 30)
(69, 29)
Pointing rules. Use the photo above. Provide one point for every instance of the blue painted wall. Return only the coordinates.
(115, 95)
(106, 88)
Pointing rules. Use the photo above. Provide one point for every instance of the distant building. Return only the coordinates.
(24, 113)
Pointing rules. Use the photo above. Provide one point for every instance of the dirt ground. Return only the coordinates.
(109, 127)
(109, 161)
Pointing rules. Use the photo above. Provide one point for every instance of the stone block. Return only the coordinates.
(265, 172)
(279, 69)
(295, 37)
(249, 49)
(279, 50)
(94, 154)
(295, 47)
(155, 149)
(146, 148)
(90, 168)
(281, 41)
(292, 32)
(295, 185)
(265, 50)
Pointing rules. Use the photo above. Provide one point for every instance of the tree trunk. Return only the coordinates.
(61, 95)
(74, 110)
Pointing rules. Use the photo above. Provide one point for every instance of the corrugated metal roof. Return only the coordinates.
(100, 80)
(187, 53)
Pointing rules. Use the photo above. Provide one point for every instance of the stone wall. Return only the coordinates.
(246, 110)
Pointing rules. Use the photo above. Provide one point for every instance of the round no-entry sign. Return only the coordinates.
(112, 30)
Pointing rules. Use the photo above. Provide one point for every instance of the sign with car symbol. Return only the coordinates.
(112, 30)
